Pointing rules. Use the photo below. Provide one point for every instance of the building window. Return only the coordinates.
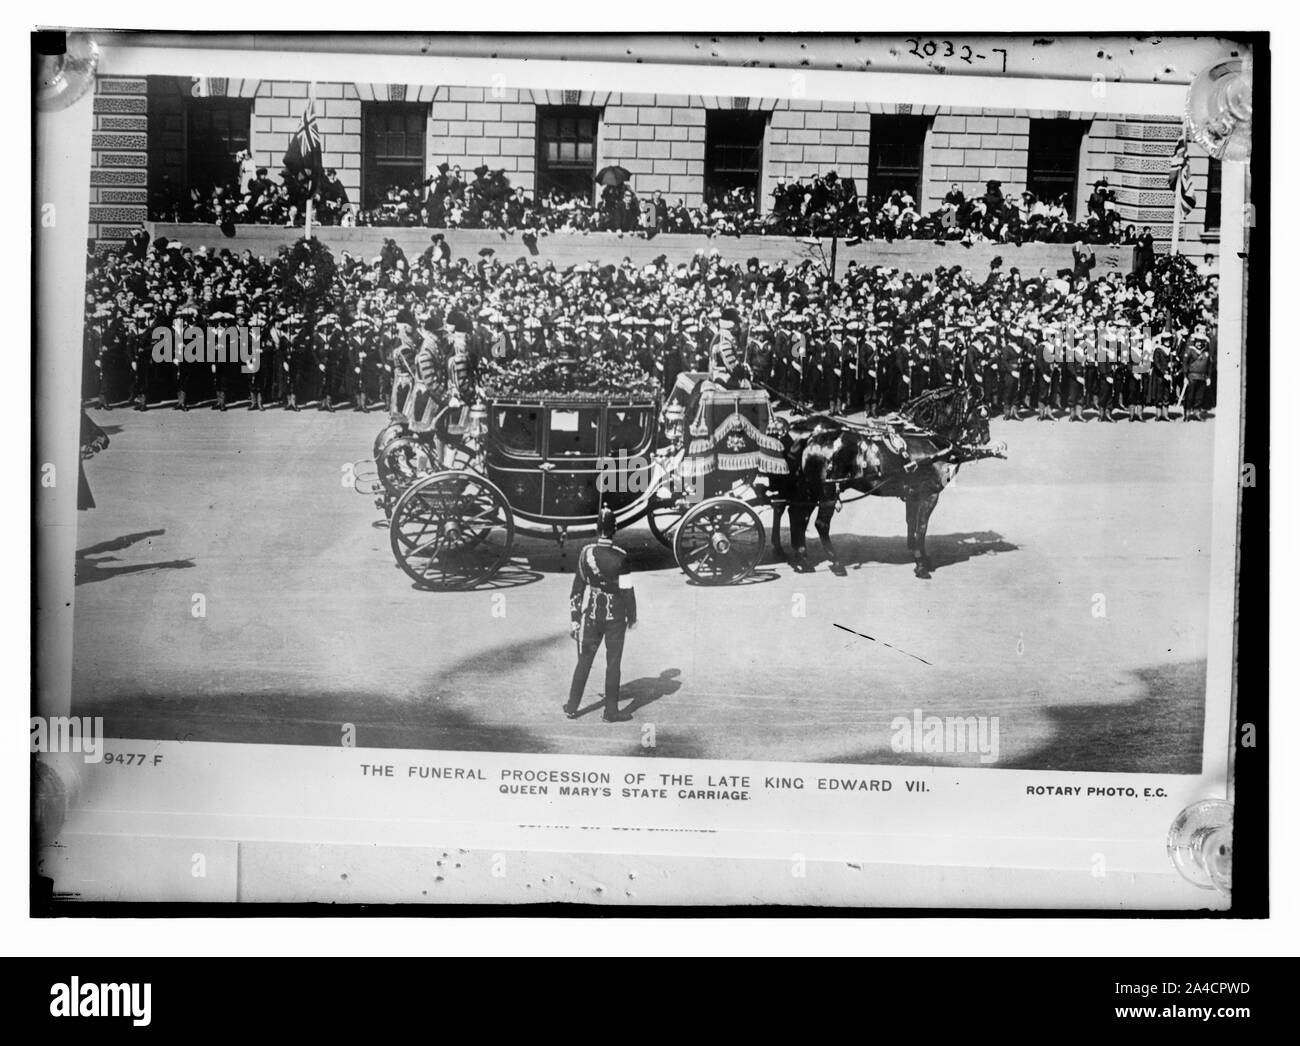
(1214, 196)
(1053, 165)
(733, 152)
(215, 130)
(897, 154)
(566, 150)
(393, 148)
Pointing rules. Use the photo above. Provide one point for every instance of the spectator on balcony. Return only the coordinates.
(247, 170)
(660, 206)
(518, 209)
(333, 199)
(1144, 254)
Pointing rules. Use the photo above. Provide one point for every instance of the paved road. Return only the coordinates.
(309, 624)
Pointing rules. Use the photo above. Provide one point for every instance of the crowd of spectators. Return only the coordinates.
(660, 315)
(827, 205)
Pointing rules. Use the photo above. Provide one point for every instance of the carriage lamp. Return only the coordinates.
(476, 427)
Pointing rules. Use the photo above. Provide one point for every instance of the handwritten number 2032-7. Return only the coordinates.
(927, 49)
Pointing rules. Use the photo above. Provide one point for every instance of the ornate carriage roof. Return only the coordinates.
(567, 380)
(545, 398)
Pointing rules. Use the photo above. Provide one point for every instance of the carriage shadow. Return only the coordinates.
(513, 575)
(94, 564)
(759, 577)
(943, 550)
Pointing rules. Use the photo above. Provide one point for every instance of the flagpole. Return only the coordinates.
(1178, 211)
(311, 104)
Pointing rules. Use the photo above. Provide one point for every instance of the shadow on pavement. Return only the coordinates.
(94, 563)
(944, 550)
(437, 719)
(512, 575)
(648, 689)
(1158, 733)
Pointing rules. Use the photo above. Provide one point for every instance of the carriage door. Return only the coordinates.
(572, 458)
(628, 435)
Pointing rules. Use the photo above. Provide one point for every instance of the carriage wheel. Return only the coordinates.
(401, 462)
(388, 433)
(663, 517)
(719, 541)
(451, 530)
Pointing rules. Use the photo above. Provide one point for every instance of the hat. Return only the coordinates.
(406, 316)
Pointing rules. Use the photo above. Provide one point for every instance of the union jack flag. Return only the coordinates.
(303, 157)
(1180, 176)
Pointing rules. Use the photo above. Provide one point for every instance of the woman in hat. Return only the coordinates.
(1159, 383)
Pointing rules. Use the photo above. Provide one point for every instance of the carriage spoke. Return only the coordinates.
(719, 541)
(452, 530)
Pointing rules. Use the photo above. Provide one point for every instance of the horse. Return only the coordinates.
(945, 427)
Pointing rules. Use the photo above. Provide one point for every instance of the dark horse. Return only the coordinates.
(945, 427)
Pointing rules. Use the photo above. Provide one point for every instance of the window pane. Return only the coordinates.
(1053, 161)
(626, 430)
(216, 129)
(574, 433)
(1214, 196)
(566, 150)
(896, 155)
(393, 148)
(733, 152)
(517, 429)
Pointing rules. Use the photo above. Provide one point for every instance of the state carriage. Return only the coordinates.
(457, 495)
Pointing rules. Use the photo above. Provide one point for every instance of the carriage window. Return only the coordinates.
(626, 430)
(517, 429)
(575, 433)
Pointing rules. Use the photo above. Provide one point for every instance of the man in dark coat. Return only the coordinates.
(602, 607)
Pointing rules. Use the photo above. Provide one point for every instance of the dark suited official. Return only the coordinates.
(602, 607)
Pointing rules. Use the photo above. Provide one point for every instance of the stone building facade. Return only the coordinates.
(687, 146)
